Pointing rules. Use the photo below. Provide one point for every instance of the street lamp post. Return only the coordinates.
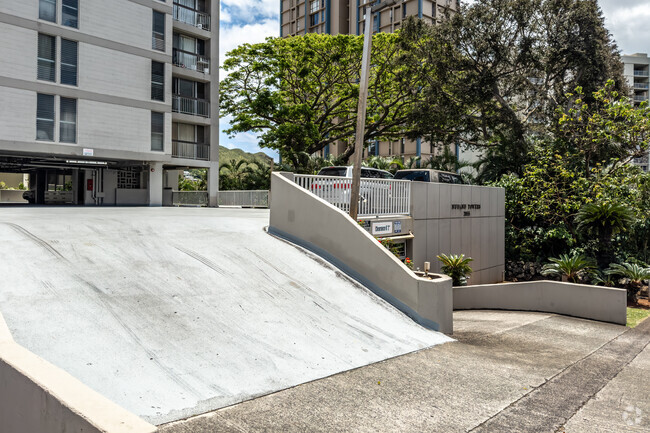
(363, 103)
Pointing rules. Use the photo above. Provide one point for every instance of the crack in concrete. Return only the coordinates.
(549, 406)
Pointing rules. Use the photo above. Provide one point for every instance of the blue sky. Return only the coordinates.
(253, 20)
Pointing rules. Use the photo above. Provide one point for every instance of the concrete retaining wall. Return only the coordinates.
(578, 300)
(12, 196)
(313, 223)
(37, 397)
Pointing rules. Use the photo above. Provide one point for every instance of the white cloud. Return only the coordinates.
(628, 22)
(247, 9)
(231, 36)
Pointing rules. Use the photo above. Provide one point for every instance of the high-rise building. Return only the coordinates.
(299, 17)
(105, 102)
(636, 68)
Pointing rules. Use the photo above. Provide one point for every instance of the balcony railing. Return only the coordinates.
(196, 107)
(377, 196)
(640, 98)
(640, 73)
(190, 150)
(191, 17)
(640, 86)
(191, 61)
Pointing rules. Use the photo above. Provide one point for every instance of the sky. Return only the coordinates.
(253, 20)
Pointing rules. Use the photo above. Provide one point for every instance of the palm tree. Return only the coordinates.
(604, 220)
(446, 161)
(235, 175)
(572, 267)
(457, 267)
(384, 163)
(635, 275)
(259, 176)
(412, 162)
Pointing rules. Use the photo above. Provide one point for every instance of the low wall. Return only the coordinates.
(12, 196)
(579, 300)
(313, 223)
(37, 397)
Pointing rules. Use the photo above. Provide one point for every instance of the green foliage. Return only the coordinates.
(21, 186)
(3, 185)
(604, 220)
(635, 275)
(300, 93)
(457, 267)
(244, 175)
(573, 267)
(384, 163)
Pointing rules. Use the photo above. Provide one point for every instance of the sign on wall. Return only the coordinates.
(382, 228)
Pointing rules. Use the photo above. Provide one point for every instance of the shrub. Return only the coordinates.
(457, 267)
(634, 273)
(572, 267)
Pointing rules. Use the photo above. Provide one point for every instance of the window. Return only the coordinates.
(158, 41)
(157, 81)
(157, 131)
(69, 58)
(403, 10)
(434, 9)
(129, 179)
(314, 6)
(45, 117)
(313, 19)
(47, 10)
(46, 57)
(68, 121)
(70, 16)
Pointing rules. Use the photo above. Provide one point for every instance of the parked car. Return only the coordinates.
(338, 192)
(366, 172)
(429, 175)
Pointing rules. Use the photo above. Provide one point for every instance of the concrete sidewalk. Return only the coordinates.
(509, 371)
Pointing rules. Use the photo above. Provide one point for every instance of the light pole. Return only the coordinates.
(363, 103)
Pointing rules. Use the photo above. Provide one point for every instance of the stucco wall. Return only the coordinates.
(313, 223)
(579, 300)
(477, 232)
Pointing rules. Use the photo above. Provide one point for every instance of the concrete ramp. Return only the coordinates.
(174, 312)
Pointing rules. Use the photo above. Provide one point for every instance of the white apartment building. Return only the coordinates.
(637, 73)
(104, 102)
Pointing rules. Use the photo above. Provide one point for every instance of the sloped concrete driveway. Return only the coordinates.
(175, 312)
(508, 372)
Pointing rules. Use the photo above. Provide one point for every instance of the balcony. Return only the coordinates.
(640, 86)
(194, 62)
(640, 73)
(194, 106)
(192, 17)
(640, 98)
(189, 150)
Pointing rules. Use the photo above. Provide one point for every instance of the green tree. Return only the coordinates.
(300, 93)
(634, 273)
(233, 174)
(457, 267)
(496, 72)
(384, 163)
(604, 220)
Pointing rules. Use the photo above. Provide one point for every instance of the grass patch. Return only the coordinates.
(636, 315)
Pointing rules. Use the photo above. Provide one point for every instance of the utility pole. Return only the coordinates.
(363, 103)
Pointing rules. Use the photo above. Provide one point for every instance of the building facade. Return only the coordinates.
(298, 17)
(104, 102)
(636, 68)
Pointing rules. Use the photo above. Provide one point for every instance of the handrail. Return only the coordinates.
(193, 61)
(378, 196)
(190, 150)
(191, 16)
(194, 106)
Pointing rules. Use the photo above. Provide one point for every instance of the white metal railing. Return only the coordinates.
(190, 198)
(192, 17)
(640, 73)
(189, 150)
(184, 105)
(640, 86)
(640, 98)
(377, 196)
(244, 198)
(191, 61)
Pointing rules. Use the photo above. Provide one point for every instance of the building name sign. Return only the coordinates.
(465, 206)
(382, 228)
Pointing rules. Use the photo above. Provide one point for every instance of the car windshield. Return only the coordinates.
(333, 171)
(418, 176)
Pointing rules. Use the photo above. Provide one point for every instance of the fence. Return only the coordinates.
(190, 198)
(377, 196)
(254, 198)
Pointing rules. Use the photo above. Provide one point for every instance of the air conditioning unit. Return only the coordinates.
(200, 26)
(206, 70)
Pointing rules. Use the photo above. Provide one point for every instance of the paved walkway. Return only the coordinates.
(509, 371)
